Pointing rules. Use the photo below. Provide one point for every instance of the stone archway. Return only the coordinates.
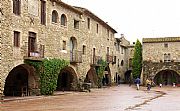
(20, 81)
(107, 76)
(67, 80)
(92, 77)
(167, 77)
(127, 76)
(151, 69)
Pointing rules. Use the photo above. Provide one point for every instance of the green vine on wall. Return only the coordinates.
(100, 71)
(48, 70)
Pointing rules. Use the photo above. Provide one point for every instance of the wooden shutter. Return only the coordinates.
(16, 38)
(43, 12)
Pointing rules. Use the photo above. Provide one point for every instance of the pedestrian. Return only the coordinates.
(148, 82)
(137, 82)
(174, 84)
(130, 81)
(119, 79)
(160, 85)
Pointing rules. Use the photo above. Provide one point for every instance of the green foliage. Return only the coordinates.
(48, 70)
(100, 71)
(36, 64)
(137, 60)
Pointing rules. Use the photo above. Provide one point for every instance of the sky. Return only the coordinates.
(136, 19)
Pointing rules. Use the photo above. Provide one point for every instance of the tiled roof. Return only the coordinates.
(86, 11)
(165, 39)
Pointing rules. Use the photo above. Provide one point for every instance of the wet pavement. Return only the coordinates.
(119, 98)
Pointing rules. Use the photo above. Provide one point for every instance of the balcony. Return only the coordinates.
(109, 58)
(37, 54)
(95, 60)
(75, 56)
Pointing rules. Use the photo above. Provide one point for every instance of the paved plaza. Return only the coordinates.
(117, 98)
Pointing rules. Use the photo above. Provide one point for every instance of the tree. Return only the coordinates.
(137, 60)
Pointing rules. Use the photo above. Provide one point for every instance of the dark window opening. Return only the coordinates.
(43, 12)
(32, 42)
(88, 23)
(63, 20)
(54, 16)
(84, 49)
(166, 45)
(122, 63)
(17, 7)
(76, 24)
(64, 45)
(97, 28)
(16, 39)
(167, 57)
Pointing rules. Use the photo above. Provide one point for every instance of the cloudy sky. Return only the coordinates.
(136, 19)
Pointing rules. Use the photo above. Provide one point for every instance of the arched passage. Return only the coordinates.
(92, 77)
(20, 81)
(127, 76)
(67, 80)
(107, 76)
(167, 77)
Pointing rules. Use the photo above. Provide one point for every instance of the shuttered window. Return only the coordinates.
(54, 16)
(16, 39)
(63, 20)
(32, 42)
(43, 12)
(17, 7)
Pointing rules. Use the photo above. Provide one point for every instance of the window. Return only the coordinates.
(166, 45)
(54, 16)
(63, 20)
(122, 63)
(107, 32)
(84, 49)
(32, 42)
(43, 12)
(122, 50)
(88, 23)
(76, 24)
(16, 39)
(130, 62)
(118, 62)
(97, 28)
(107, 50)
(167, 57)
(64, 45)
(17, 7)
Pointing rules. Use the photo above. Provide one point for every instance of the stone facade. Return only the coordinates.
(161, 54)
(83, 37)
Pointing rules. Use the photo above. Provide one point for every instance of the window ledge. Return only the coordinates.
(64, 51)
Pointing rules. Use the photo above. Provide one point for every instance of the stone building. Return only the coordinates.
(123, 58)
(130, 54)
(38, 29)
(161, 60)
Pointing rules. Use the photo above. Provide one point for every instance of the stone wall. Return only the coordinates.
(155, 51)
(150, 69)
(52, 35)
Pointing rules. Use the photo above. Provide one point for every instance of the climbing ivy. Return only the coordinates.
(48, 70)
(36, 64)
(100, 71)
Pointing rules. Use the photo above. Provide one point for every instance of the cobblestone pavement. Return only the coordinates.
(120, 98)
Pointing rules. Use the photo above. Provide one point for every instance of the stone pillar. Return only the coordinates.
(1, 90)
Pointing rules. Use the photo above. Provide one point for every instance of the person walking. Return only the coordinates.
(148, 82)
(137, 82)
